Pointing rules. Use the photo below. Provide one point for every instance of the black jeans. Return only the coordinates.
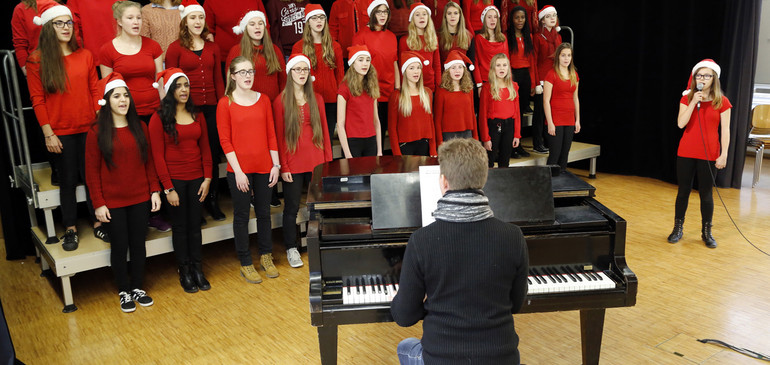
(451, 135)
(71, 166)
(360, 147)
(420, 147)
(128, 229)
(521, 76)
(382, 112)
(559, 145)
(501, 134)
(210, 113)
(331, 117)
(186, 221)
(259, 194)
(538, 121)
(292, 193)
(686, 170)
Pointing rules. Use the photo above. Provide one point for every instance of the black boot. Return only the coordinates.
(676, 234)
(186, 278)
(212, 206)
(197, 274)
(706, 235)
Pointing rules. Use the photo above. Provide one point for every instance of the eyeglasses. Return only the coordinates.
(381, 12)
(59, 24)
(703, 77)
(318, 17)
(301, 70)
(244, 73)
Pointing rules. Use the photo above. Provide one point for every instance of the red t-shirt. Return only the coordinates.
(359, 113)
(384, 49)
(562, 102)
(453, 112)
(188, 159)
(249, 131)
(222, 16)
(307, 155)
(490, 108)
(410, 128)
(270, 85)
(206, 82)
(485, 50)
(138, 71)
(431, 74)
(327, 79)
(705, 121)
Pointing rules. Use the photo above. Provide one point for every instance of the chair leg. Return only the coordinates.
(758, 164)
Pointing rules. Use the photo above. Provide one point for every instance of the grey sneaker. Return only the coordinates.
(295, 260)
(126, 302)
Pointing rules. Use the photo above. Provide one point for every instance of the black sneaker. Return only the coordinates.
(275, 202)
(70, 240)
(126, 302)
(101, 233)
(141, 297)
(522, 152)
(541, 149)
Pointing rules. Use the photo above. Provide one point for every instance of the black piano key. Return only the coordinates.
(379, 284)
(557, 278)
(536, 277)
(358, 285)
(529, 281)
(569, 274)
(586, 274)
(347, 284)
(547, 276)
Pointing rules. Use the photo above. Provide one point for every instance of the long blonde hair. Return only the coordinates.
(327, 44)
(498, 31)
(367, 83)
(231, 70)
(571, 68)
(715, 93)
(463, 36)
(405, 99)
(413, 39)
(291, 118)
(271, 59)
(466, 85)
(486, 2)
(506, 83)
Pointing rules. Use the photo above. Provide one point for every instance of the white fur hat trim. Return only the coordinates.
(412, 60)
(295, 60)
(313, 13)
(51, 13)
(185, 11)
(171, 79)
(458, 62)
(114, 84)
(375, 4)
(421, 6)
(356, 55)
(239, 29)
(708, 64)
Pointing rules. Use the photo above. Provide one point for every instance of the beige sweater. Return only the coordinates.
(161, 25)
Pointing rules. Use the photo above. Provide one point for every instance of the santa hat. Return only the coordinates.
(312, 10)
(239, 29)
(418, 5)
(707, 63)
(548, 9)
(189, 6)
(49, 9)
(169, 75)
(109, 82)
(356, 51)
(375, 3)
(296, 58)
(409, 57)
(488, 8)
(456, 57)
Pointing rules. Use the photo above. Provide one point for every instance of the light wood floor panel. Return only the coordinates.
(686, 291)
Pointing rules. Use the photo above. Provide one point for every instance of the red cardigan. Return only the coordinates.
(545, 43)
(384, 49)
(498, 109)
(485, 50)
(130, 181)
(206, 83)
(25, 32)
(417, 126)
(327, 79)
(453, 112)
(222, 15)
(72, 111)
(138, 71)
(431, 74)
(270, 85)
(347, 18)
(188, 159)
(249, 131)
(307, 156)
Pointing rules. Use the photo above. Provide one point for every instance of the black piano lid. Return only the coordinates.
(567, 184)
(396, 200)
(521, 194)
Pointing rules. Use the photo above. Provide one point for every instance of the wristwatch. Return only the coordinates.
(277, 165)
(167, 191)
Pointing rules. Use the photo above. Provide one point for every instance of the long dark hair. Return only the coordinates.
(106, 130)
(167, 112)
(525, 33)
(52, 72)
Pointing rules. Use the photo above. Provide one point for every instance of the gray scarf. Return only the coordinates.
(463, 206)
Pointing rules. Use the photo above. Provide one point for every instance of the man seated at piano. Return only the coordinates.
(463, 274)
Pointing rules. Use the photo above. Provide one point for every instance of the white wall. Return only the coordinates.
(763, 57)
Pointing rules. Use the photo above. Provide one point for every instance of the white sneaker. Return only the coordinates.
(295, 260)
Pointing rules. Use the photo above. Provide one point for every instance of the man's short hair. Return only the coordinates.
(463, 161)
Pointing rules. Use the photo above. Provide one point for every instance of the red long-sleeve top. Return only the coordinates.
(347, 18)
(249, 131)
(418, 125)
(138, 71)
(431, 74)
(188, 159)
(443, 53)
(307, 155)
(222, 16)
(72, 111)
(25, 32)
(507, 6)
(399, 19)
(453, 112)
(696, 134)
(95, 24)
(359, 113)
(206, 82)
(562, 99)
(437, 10)
(472, 10)
(522, 60)
(270, 85)
(498, 109)
(384, 49)
(327, 79)
(130, 181)
(545, 43)
(485, 50)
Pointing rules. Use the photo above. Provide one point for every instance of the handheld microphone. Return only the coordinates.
(699, 86)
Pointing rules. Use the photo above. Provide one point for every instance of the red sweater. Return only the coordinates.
(187, 160)
(138, 71)
(399, 19)
(206, 83)
(562, 102)
(359, 113)
(691, 144)
(485, 50)
(287, 21)
(270, 85)
(417, 126)
(443, 53)
(384, 49)
(72, 111)
(307, 156)
(327, 79)
(523, 60)
(545, 43)
(498, 109)
(431, 74)
(25, 32)
(95, 24)
(437, 10)
(472, 11)
(347, 18)
(222, 16)
(453, 112)
(130, 181)
(249, 131)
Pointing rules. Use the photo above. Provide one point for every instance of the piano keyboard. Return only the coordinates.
(566, 278)
(369, 289)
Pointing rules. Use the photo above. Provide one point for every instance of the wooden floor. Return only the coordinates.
(686, 291)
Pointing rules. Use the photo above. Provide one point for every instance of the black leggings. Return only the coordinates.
(420, 147)
(331, 118)
(127, 229)
(521, 76)
(501, 134)
(559, 145)
(186, 221)
(70, 164)
(361, 147)
(292, 194)
(538, 121)
(686, 169)
(210, 114)
(259, 194)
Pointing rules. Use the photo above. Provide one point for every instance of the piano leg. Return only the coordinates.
(591, 327)
(327, 343)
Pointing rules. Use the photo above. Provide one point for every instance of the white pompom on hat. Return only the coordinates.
(457, 57)
(48, 10)
(374, 4)
(418, 5)
(312, 10)
(240, 28)
(707, 63)
(109, 82)
(488, 8)
(409, 57)
(357, 51)
(190, 6)
(168, 75)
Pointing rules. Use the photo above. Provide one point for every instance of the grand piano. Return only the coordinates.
(363, 210)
